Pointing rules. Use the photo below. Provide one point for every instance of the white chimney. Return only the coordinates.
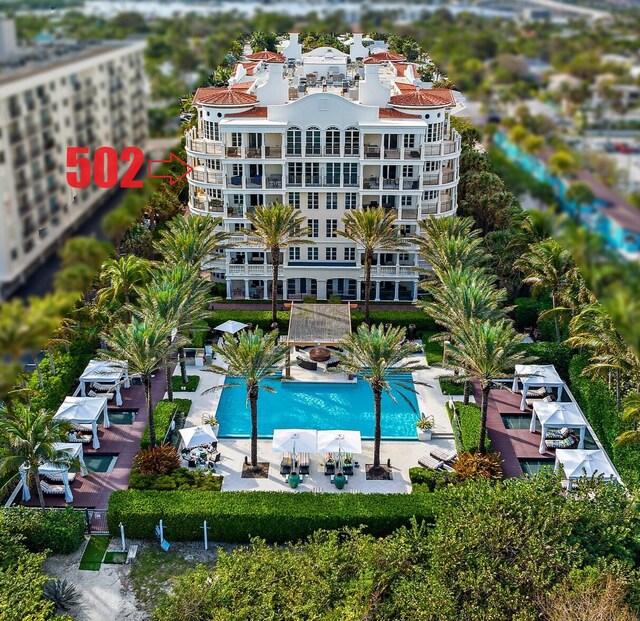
(293, 49)
(357, 49)
(372, 91)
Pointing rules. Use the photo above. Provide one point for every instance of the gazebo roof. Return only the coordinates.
(81, 409)
(538, 375)
(554, 414)
(319, 323)
(577, 463)
(104, 371)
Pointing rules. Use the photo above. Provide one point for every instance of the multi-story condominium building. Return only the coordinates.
(325, 132)
(51, 98)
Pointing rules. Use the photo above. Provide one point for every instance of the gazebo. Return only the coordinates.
(577, 463)
(85, 411)
(73, 451)
(554, 415)
(106, 372)
(536, 376)
(317, 325)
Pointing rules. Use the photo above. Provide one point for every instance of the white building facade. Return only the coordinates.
(89, 97)
(326, 135)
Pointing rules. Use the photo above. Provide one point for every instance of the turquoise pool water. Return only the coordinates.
(316, 406)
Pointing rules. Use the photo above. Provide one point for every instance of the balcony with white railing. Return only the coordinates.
(202, 145)
(381, 271)
(263, 270)
(201, 174)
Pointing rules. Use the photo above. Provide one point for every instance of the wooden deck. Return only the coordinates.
(513, 444)
(93, 490)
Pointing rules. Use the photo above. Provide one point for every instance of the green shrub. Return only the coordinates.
(181, 479)
(433, 350)
(466, 426)
(61, 531)
(429, 480)
(192, 383)
(547, 352)
(526, 312)
(275, 516)
(451, 386)
(162, 416)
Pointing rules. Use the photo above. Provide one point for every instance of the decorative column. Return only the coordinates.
(228, 289)
(246, 288)
(377, 290)
(321, 292)
(396, 291)
(415, 291)
(265, 289)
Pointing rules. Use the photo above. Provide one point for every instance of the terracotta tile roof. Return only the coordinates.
(249, 67)
(424, 98)
(405, 87)
(241, 86)
(259, 112)
(390, 113)
(382, 57)
(270, 57)
(220, 96)
(401, 68)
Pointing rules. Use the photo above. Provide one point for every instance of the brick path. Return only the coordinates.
(93, 490)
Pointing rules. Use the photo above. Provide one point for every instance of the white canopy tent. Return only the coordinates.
(339, 440)
(61, 469)
(85, 411)
(75, 451)
(295, 440)
(577, 463)
(231, 326)
(557, 415)
(536, 376)
(106, 372)
(197, 436)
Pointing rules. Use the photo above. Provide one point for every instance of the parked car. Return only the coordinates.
(622, 147)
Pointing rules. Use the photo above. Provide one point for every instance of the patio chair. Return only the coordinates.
(558, 434)
(426, 461)
(108, 395)
(285, 464)
(49, 488)
(533, 400)
(303, 463)
(564, 443)
(98, 387)
(57, 478)
(80, 437)
(329, 464)
(443, 455)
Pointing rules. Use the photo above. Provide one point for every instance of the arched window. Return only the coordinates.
(352, 141)
(332, 141)
(294, 141)
(312, 144)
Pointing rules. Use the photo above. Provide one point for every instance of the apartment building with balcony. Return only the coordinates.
(325, 132)
(52, 98)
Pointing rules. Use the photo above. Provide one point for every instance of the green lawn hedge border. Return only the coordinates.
(162, 414)
(467, 434)
(277, 517)
(60, 531)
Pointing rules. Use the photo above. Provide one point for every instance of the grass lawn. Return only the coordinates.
(432, 350)
(450, 386)
(192, 383)
(154, 570)
(94, 552)
(115, 558)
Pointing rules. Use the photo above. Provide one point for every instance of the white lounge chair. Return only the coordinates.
(426, 461)
(443, 455)
(52, 488)
(108, 395)
(57, 478)
(83, 438)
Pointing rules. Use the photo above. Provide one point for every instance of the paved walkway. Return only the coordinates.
(93, 491)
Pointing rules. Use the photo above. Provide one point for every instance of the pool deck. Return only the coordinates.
(403, 454)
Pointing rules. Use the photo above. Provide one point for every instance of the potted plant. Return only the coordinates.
(293, 479)
(210, 419)
(339, 480)
(424, 428)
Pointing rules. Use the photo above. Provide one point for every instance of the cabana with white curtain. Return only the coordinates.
(85, 411)
(534, 376)
(113, 372)
(554, 415)
(75, 451)
(577, 463)
(61, 470)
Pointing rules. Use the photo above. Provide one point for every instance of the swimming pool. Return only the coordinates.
(101, 462)
(316, 406)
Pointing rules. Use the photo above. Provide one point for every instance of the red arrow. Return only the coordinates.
(172, 158)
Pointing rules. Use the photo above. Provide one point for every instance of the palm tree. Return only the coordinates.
(27, 438)
(379, 356)
(253, 357)
(192, 240)
(580, 194)
(145, 344)
(178, 295)
(277, 227)
(631, 415)
(548, 267)
(485, 349)
(373, 231)
(121, 277)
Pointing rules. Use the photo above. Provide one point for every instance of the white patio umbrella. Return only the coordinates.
(197, 436)
(578, 463)
(292, 440)
(231, 326)
(339, 440)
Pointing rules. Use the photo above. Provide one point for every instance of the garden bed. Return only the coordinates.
(178, 385)
(451, 386)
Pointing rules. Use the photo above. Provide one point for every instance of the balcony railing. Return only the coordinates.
(207, 176)
(332, 150)
(390, 184)
(273, 151)
(410, 184)
(274, 181)
(371, 151)
(446, 205)
(235, 211)
(352, 151)
(233, 151)
(431, 179)
(254, 152)
(448, 176)
(371, 183)
(262, 269)
(211, 206)
(208, 147)
(312, 180)
(393, 270)
(392, 154)
(408, 213)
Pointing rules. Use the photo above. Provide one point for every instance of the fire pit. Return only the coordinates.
(319, 354)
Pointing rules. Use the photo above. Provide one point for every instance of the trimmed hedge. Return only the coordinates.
(467, 436)
(277, 517)
(599, 406)
(451, 386)
(60, 531)
(192, 383)
(262, 319)
(428, 480)
(547, 352)
(162, 414)
(180, 479)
